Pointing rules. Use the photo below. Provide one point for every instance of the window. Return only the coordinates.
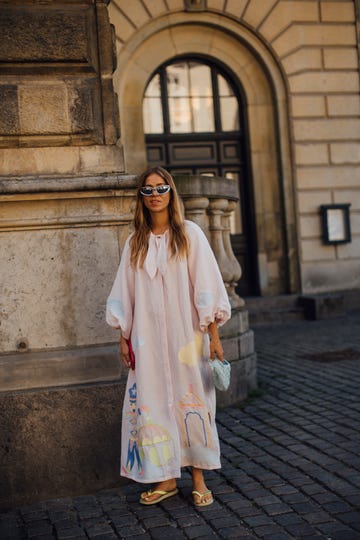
(189, 97)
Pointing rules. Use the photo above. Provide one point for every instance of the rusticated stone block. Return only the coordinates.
(305, 106)
(312, 250)
(238, 324)
(81, 99)
(44, 35)
(311, 154)
(251, 372)
(345, 153)
(243, 321)
(231, 348)
(246, 344)
(9, 120)
(43, 109)
(338, 106)
(110, 131)
(337, 11)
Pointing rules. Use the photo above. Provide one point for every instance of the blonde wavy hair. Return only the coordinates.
(178, 241)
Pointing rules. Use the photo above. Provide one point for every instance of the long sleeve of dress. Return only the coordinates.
(210, 296)
(120, 303)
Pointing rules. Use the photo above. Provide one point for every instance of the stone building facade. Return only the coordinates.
(73, 136)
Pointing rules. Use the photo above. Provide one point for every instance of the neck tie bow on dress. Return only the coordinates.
(156, 258)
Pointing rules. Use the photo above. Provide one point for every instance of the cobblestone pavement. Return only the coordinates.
(291, 460)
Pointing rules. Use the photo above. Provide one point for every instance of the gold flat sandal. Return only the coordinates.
(162, 496)
(201, 497)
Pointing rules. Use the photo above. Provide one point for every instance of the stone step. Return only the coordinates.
(272, 302)
(275, 316)
(273, 309)
(296, 307)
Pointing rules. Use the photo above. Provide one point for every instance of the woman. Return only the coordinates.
(167, 299)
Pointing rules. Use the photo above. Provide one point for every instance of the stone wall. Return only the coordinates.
(65, 213)
(316, 151)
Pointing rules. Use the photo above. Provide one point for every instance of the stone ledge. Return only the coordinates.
(57, 161)
(28, 371)
(53, 184)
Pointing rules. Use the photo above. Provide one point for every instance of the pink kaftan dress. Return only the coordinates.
(169, 405)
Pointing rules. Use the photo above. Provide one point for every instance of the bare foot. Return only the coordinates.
(166, 485)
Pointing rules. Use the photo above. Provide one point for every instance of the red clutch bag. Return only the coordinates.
(131, 354)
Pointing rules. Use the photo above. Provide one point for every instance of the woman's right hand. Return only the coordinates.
(124, 347)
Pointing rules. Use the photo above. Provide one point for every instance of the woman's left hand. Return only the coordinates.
(216, 348)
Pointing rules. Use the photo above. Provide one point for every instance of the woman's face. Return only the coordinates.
(156, 203)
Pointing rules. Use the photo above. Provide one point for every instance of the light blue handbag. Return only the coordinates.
(221, 373)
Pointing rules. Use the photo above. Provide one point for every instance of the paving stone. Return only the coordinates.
(349, 517)
(100, 536)
(336, 507)
(166, 532)
(300, 530)
(277, 509)
(279, 536)
(156, 521)
(345, 535)
(264, 501)
(267, 530)
(227, 521)
(74, 532)
(284, 490)
(317, 517)
(288, 519)
(190, 520)
(233, 532)
(144, 536)
(39, 528)
(293, 498)
(199, 531)
(305, 508)
(256, 521)
(130, 530)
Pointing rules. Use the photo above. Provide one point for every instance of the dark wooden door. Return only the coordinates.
(193, 125)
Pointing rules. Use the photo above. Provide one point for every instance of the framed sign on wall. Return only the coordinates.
(335, 220)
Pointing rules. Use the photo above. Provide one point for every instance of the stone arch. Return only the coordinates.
(264, 89)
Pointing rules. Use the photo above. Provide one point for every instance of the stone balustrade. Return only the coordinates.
(209, 202)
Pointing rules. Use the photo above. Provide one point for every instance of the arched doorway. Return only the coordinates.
(248, 60)
(194, 123)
